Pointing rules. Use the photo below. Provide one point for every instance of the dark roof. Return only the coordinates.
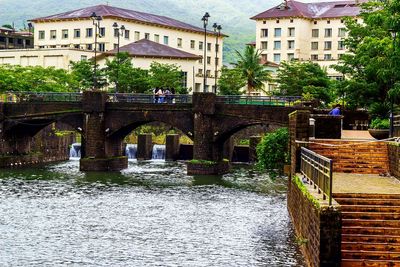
(313, 10)
(147, 48)
(110, 11)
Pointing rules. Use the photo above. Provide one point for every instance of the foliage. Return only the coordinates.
(166, 76)
(201, 161)
(372, 64)
(8, 26)
(272, 152)
(231, 82)
(36, 79)
(379, 123)
(83, 72)
(254, 72)
(379, 110)
(304, 78)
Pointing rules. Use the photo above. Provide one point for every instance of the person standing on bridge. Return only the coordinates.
(335, 111)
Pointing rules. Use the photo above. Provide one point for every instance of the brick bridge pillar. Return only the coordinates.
(96, 157)
(207, 154)
(299, 124)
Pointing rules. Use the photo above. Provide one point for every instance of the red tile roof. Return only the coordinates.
(147, 48)
(110, 11)
(312, 10)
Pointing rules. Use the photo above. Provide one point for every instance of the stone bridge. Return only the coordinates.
(104, 121)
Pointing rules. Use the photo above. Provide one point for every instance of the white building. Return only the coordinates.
(71, 35)
(305, 31)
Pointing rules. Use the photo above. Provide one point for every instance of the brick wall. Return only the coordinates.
(394, 160)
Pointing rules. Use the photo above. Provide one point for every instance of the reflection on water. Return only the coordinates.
(151, 214)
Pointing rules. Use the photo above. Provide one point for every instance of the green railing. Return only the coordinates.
(149, 99)
(260, 100)
(318, 171)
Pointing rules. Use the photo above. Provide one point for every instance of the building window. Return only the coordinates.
(290, 57)
(64, 34)
(201, 59)
(147, 36)
(116, 33)
(166, 40)
(341, 45)
(315, 33)
(328, 22)
(314, 45)
(327, 57)
(208, 60)
(277, 32)
(83, 58)
(328, 32)
(127, 33)
(156, 38)
(264, 57)
(328, 45)
(208, 46)
(291, 32)
(200, 45)
(264, 22)
(89, 47)
(291, 21)
(277, 21)
(277, 58)
(115, 46)
(102, 47)
(137, 36)
(179, 42)
(315, 22)
(264, 32)
(342, 32)
(208, 73)
(53, 34)
(75, 46)
(89, 32)
(41, 35)
(184, 79)
(314, 57)
(277, 45)
(192, 44)
(264, 45)
(102, 32)
(77, 33)
(290, 44)
(200, 71)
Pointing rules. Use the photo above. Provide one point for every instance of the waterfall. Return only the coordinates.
(130, 151)
(158, 152)
(75, 151)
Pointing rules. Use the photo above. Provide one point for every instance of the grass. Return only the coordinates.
(298, 182)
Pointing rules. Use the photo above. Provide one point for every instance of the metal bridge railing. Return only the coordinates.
(18, 97)
(259, 100)
(318, 171)
(147, 98)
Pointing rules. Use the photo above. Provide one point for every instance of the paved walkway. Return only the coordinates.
(365, 183)
(356, 135)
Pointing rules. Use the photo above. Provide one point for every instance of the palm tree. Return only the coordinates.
(249, 64)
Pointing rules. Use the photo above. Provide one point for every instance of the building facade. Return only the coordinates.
(11, 39)
(305, 31)
(75, 30)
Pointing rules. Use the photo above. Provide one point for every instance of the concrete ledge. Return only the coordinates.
(207, 167)
(13, 161)
(106, 164)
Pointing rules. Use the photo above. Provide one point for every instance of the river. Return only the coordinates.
(151, 214)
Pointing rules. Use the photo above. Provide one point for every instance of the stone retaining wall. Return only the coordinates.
(394, 160)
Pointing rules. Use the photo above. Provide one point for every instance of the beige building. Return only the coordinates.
(305, 31)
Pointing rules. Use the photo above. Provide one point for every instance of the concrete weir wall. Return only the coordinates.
(394, 159)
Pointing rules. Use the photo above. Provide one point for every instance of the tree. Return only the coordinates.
(8, 26)
(254, 72)
(166, 76)
(231, 82)
(296, 78)
(83, 72)
(372, 64)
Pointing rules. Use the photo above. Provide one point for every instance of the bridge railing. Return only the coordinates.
(318, 171)
(18, 97)
(259, 100)
(149, 99)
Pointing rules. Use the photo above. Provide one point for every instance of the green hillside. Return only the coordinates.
(233, 15)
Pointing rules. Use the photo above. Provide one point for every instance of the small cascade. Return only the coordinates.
(75, 151)
(130, 151)
(158, 152)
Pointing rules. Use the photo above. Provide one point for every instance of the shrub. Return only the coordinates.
(379, 123)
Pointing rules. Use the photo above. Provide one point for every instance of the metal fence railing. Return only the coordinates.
(396, 125)
(260, 100)
(147, 98)
(17, 97)
(318, 171)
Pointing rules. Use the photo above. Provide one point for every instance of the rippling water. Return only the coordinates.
(151, 214)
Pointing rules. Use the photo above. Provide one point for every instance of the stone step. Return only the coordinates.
(390, 247)
(371, 223)
(370, 208)
(364, 196)
(368, 201)
(369, 263)
(371, 215)
(370, 238)
(362, 230)
(371, 255)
